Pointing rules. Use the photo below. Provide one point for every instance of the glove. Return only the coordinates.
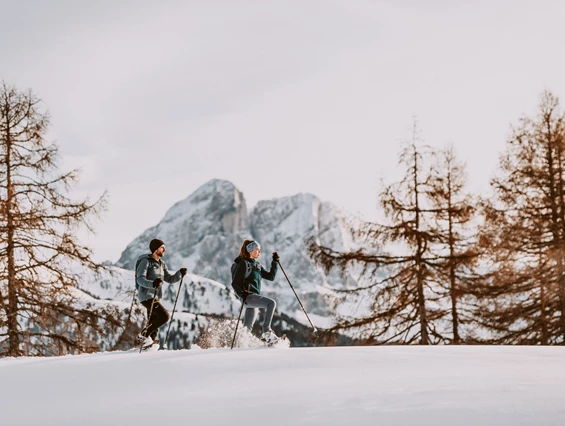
(276, 257)
(157, 282)
(183, 271)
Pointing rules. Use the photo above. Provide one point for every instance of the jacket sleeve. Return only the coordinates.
(168, 277)
(272, 273)
(141, 274)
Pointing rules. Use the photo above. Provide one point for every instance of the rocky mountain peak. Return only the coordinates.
(204, 233)
(197, 230)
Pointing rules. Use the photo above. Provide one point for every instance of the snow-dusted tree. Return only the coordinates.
(39, 311)
(524, 232)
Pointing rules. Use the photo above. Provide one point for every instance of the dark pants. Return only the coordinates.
(159, 316)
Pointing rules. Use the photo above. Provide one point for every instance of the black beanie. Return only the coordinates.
(155, 244)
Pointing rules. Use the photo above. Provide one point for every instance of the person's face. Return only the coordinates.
(160, 252)
(255, 253)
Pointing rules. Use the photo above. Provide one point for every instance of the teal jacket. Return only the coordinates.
(252, 283)
(148, 270)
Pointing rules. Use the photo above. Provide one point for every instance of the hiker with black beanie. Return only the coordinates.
(150, 272)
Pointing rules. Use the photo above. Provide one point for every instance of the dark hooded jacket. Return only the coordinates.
(251, 284)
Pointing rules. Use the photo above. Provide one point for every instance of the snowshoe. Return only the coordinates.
(280, 342)
(269, 337)
(149, 347)
(145, 342)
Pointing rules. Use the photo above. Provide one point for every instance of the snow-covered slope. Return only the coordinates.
(200, 301)
(198, 295)
(388, 386)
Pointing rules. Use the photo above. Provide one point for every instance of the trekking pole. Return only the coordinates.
(237, 324)
(315, 330)
(172, 315)
(148, 319)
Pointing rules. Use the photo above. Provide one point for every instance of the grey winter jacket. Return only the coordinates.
(148, 270)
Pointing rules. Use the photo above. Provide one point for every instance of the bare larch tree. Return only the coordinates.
(39, 311)
(524, 234)
(454, 213)
(406, 305)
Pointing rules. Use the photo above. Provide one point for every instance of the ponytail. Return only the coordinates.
(243, 251)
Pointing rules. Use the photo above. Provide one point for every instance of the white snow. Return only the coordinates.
(455, 386)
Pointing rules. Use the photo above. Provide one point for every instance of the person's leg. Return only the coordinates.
(269, 312)
(249, 317)
(261, 302)
(159, 316)
(147, 305)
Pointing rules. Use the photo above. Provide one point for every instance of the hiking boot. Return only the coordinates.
(145, 342)
(269, 337)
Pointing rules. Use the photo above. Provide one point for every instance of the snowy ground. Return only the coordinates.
(302, 386)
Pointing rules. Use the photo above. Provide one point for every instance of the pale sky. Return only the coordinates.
(154, 98)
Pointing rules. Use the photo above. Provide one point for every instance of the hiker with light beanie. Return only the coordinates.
(247, 274)
(150, 272)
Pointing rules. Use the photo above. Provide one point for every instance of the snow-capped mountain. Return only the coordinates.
(204, 232)
(283, 225)
(201, 232)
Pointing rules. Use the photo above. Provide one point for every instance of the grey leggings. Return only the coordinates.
(255, 301)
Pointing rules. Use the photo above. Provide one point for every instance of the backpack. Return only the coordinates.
(139, 259)
(248, 270)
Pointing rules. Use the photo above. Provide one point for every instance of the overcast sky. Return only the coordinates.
(154, 98)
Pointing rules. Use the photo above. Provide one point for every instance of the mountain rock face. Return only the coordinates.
(204, 232)
(201, 232)
(283, 225)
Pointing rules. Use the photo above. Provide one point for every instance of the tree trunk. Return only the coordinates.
(453, 284)
(12, 308)
(419, 264)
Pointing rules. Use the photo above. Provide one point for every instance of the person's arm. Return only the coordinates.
(270, 275)
(141, 274)
(168, 277)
